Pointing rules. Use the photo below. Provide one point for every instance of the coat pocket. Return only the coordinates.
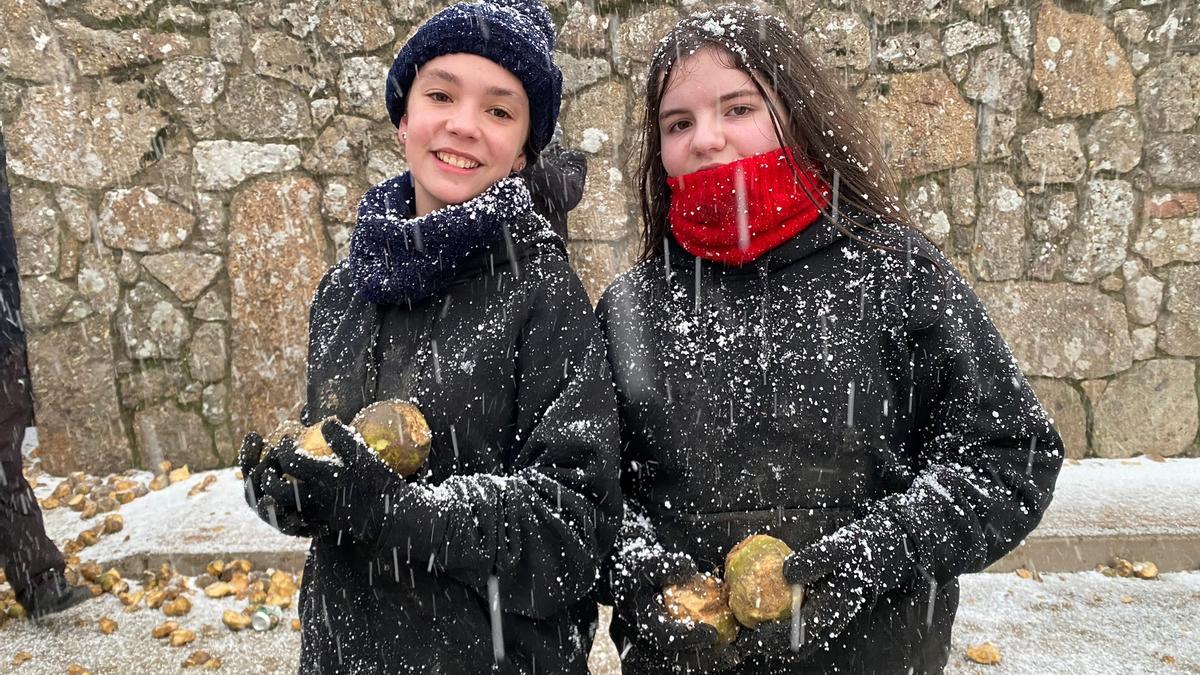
(708, 537)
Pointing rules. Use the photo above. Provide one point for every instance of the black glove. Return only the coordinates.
(637, 594)
(771, 637)
(842, 574)
(351, 491)
(276, 499)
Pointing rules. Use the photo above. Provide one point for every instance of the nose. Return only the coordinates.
(463, 123)
(707, 137)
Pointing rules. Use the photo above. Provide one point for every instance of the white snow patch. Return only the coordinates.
(1095, 497)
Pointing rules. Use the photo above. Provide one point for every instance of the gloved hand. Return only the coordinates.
(277, 500)
(842, 574)
(352, 491)
(771, 637)
(637, 594)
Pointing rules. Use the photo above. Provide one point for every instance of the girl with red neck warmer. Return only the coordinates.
(793, 358)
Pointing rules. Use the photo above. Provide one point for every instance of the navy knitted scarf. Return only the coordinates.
(397, 259)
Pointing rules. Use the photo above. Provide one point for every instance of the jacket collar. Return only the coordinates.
(818, 236)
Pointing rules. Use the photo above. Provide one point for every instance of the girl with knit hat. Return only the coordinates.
(793, 358)
(457, 297)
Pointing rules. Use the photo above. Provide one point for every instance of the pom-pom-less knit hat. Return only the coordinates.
(516, 34)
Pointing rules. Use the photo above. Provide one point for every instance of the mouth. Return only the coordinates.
(456, 160)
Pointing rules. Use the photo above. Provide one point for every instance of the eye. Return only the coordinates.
(501, 113)
(740, 110)
(439, 96)
(677, 126)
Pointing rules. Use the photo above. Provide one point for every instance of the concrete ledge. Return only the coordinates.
(193, 564)
(1044, 554)
(1080, 554)
(187, 532)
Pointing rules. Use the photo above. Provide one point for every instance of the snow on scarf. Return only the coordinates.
(397, 259)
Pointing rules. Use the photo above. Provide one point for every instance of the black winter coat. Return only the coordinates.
(507, 365)
(785, 396)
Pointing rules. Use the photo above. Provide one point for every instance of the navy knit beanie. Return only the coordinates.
(516, 34)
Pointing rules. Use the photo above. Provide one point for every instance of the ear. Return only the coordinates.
(402, 129)
(519, 163)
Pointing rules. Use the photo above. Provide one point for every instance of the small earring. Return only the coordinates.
(403, 136)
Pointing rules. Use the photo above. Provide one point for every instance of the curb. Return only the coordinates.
(1170, 553)
(1044, 554)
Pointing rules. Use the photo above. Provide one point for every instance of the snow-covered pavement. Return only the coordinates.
(1068, 623)
(74, 637)
(1083, 622)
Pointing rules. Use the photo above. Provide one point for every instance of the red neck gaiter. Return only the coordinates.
(736, 212)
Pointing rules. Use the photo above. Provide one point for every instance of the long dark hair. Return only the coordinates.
(823, 122)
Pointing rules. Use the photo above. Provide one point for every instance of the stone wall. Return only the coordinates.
(183, 172)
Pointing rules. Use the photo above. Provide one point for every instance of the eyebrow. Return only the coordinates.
(724, 97)
(501, 91)
(439, 74)
(447, 76)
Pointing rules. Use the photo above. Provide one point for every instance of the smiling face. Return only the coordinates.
(712, 114)
(464, 129)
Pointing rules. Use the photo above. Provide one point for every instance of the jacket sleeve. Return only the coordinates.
(637, 545)
(987, 456)
(543, 527)
(341, 329)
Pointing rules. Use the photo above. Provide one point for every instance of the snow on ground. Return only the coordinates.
(1096, 497)
(168, 525)
(1068, 623)
(1078, 623)
(73, 637)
